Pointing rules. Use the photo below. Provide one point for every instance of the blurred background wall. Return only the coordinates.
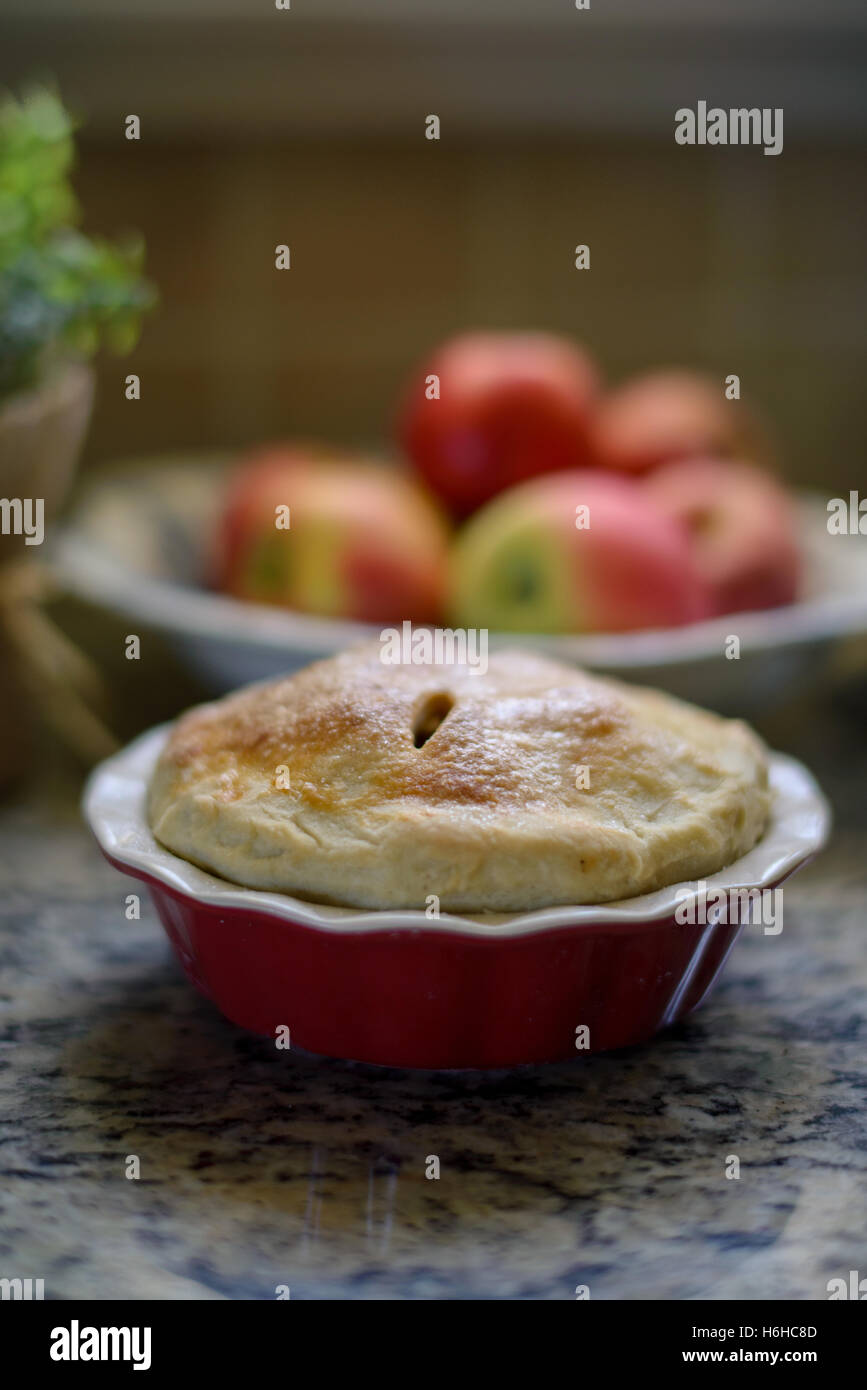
(307, 127)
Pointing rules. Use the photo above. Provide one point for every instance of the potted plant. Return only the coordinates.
(62, 296)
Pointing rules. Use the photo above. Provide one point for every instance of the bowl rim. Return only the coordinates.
(114, 803)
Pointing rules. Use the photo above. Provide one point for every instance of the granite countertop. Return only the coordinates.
(262, 1168)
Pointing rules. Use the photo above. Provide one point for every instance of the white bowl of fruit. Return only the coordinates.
(643, 530)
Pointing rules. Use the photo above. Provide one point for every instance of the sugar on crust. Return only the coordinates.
(534, 784)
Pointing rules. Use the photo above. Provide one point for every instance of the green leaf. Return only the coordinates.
(59, 289)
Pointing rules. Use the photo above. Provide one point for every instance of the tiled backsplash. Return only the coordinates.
(719, 258)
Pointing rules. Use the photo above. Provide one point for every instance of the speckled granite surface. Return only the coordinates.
(261, 1168)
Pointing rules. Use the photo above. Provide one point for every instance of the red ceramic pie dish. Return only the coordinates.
(400, 989)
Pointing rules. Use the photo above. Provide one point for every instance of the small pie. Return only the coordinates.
(530, 785)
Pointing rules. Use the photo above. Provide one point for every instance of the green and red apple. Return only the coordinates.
(743, 526)
(672, 414)
(489, 410)
(575, 552)
(311, 529)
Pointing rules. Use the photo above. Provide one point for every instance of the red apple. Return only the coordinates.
(534, 561)
(362, 542)
(672, 414)
(743, 526)
(490, 410)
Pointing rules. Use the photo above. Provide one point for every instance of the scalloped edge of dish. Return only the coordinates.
(114, 805)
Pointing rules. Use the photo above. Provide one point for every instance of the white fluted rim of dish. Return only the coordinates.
(115, 802)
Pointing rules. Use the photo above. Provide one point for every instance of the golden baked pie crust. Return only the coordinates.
(377, 786)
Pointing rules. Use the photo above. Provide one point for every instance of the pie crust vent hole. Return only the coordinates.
(430, 715)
